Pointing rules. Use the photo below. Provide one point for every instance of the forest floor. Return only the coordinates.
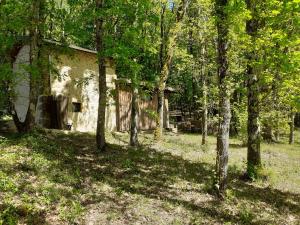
(52, 177)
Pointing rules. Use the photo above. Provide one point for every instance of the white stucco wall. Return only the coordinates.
(78, 79)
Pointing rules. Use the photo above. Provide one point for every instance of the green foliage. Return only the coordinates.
(246, 215)
(242, 119)
(9, 216)
(258, 174)
(275, 121)
(253, 171)
(128, 164)
(132, 36)
(6, 184)
(70, 210)
(136, 36)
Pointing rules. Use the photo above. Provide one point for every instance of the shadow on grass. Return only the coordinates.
(142, 171)
(10, 213)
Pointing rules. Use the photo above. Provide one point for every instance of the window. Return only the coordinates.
(76, 107)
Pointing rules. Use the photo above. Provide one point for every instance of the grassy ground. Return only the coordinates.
(56, 178)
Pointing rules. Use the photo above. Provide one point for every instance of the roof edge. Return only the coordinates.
(71, 46)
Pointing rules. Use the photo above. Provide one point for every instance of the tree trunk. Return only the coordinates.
(224, 98)
(35, 36)
(160, 93)
(292, 128)
(134, 117)
(165, 67)
(100, 135)
(297, 119)
(254, 157)
(44, 67)
(44, 86)
(254, 134)
(160, 114)
(204, 107)
(204, 119)
(277, 133)
(276, 102)
(162, 37)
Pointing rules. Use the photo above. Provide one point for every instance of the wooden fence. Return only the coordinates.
(147, 109)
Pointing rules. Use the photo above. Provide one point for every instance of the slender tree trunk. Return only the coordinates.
(253, 157)
(134, 101)
(277, 132)
(276, 102)
(292, 128)
(100, 135)
(160, 114)
(160, 91)
(162, 37)
(44, 68)
(165, 67)
(204, 113)
(254, 134)
(43, 81)
(224, 98)
(204, 102)
(134, 117)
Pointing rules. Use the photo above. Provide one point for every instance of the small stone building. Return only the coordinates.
(74, 87)
(73, 103)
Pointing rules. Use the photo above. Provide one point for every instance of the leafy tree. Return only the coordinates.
(27, 23)
(166, 60)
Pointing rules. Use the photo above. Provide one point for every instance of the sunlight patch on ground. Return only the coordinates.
(56, 178)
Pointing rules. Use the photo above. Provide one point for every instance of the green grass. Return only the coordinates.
(51, 177)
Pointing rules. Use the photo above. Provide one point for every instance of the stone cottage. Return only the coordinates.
(73, 103)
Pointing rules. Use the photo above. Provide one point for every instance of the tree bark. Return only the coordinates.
(100, 134)
(165, 67)
(162, 37)
(44, 86)
(204, 113)
(276, 102)
(134, 117)
(204, 97)
(160, 94)
(254, 133)
(224, 98)
(35, 36)
(44, 67)
(292, 128)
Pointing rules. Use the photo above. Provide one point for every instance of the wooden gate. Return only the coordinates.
(147, 109)
(124, 100)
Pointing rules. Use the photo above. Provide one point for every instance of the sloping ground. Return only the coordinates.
(51, 177)
(7, 126)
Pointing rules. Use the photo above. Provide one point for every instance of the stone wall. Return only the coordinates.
(78, 80)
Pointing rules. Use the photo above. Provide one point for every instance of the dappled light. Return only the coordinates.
(156, 184)
(170, 112)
